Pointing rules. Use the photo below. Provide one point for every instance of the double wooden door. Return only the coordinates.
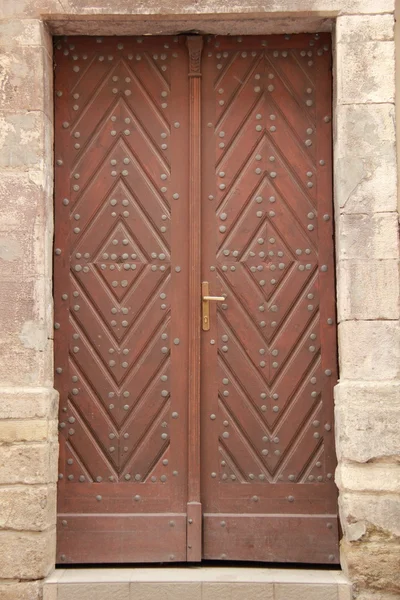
(194, 429)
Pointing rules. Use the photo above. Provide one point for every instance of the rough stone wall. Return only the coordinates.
(367, 250)
(368, 395)
(28, 405)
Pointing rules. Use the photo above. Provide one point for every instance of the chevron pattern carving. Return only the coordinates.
(116, 420)
(274, 423)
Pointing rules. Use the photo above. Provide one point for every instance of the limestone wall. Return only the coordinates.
(368, 394)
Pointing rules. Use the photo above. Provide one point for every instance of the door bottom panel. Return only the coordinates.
(105, 538)
(271, 538)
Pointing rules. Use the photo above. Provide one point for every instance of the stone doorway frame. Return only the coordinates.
(367, 255)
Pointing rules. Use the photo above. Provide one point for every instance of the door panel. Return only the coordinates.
(269, 358)
(121, 298)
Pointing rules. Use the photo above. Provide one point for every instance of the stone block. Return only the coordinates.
(27, 555)
(361, 513)
(25, 140)
(21, 590)
(27, 508)
(365, 130)
(26, 346)
(372, 477)
(311, 591)
(373, 565)
(26, 307)
(28, 463)
(26, 32)
(25, 253)
(368, 289)
(375, 595)
(367, 423)
(345, 592)
(237, 591)
(326, 8)
(23, 365)
(50, 592)
(254, 591)
(30, 203)
(25, 79)
(35, 430)
(32, 9)
(28, 403)
(363, 237)
(369, 350)
(162, 591)
(365, 72)
(361, 28)
(95, 591)
(365, 184)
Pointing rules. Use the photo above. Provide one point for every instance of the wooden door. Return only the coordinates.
(269, 358)
(181, 160)
(121, 298)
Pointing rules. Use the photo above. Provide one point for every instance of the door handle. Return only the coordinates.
(216, 298)
(205, 304)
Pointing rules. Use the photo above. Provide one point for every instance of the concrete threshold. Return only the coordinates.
(196, 583)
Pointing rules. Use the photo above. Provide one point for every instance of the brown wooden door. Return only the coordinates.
(176, 443)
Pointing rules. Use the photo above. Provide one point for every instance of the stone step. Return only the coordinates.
(196, 583)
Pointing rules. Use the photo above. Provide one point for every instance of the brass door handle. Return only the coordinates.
(216, 298)
(205, 304)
